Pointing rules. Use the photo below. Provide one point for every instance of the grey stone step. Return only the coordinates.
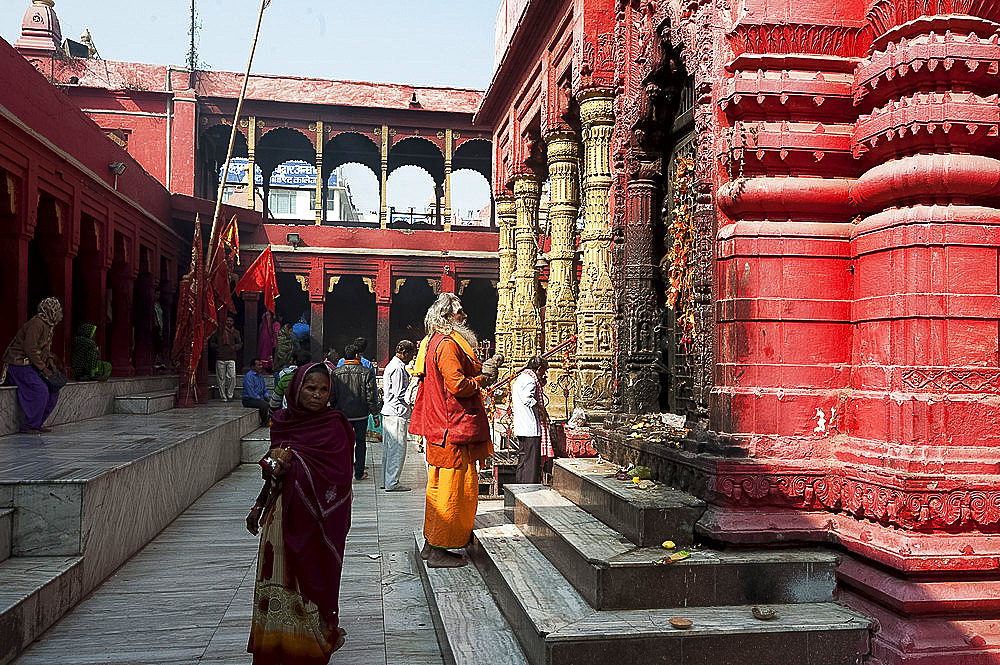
(6, 532)
(607, 569)
(471, 630)
(645, 517)
(34, 593)
(255, 445)
(556, 626)
(145, 404)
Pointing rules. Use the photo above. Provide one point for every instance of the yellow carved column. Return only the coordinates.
(251, 147)
(563, 155)
(595, 304)
(526, 319)
(506, 218)
(320, 199)
(383, 217)
(449, 143)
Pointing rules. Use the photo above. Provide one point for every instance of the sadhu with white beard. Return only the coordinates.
(449, 413)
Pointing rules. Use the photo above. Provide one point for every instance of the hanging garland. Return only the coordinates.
(680, 257)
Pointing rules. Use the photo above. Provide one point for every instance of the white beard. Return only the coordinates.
(466, 332)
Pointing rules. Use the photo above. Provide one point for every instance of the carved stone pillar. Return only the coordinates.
(320, 180)
(506, 218)
(562, 154)
(526, 319)
(449, 144)
(595, 304)
(638, 386)
(383, 214)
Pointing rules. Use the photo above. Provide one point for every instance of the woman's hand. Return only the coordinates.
(253, 520)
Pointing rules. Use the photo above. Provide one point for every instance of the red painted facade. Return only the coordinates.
(177, 127)
(846, 309)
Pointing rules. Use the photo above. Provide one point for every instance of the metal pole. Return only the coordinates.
(232, 139)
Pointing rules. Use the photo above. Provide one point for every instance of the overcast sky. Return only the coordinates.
(419, 42)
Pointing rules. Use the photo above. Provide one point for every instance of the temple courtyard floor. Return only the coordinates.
(186, 597)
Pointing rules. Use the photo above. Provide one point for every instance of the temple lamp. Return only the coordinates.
(293, 239)
(117, 168)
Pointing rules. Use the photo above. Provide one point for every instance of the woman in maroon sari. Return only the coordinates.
(304, 513)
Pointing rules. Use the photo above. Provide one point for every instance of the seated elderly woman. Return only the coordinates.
(29, 364)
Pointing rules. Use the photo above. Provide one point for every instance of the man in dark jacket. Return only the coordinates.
(354, 394)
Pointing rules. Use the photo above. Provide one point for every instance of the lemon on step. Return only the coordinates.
(669, 545)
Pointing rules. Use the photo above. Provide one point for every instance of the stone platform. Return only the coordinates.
(574, 589)
(88, 495)
(80, 400)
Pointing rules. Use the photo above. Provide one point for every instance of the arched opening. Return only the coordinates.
(361, 186)
(350, 312)
(236, 189)
(43, 252)
(277, 147)
(351, 160)
(409, 306)
(471, 202)
(292, 192)
(88, 297)
(474, 155)
(480, 299)
(414, 199)
(212, 146)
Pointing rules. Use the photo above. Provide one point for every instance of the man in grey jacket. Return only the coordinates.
(355, 395)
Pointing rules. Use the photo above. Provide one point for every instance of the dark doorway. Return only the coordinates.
(479, 299)
(406, 314)
(349, 313)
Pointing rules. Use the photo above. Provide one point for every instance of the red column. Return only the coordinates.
(251, 324)
(13, 284)
(383, 304)
(317, 304)
(122, 290)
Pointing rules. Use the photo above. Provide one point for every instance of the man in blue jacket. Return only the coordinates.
(255, 391)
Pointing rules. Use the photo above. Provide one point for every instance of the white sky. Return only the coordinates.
(425, 42)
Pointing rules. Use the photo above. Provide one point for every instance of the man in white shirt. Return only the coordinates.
(526, 405)
(395, 415)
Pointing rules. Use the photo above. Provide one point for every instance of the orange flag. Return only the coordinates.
(260, 278)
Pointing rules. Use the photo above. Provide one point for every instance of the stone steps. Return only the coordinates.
(255, 445)
(34, 593)
(145, 404)
(471, 630)
(644, 517)
(90, 494)
(6, 532)
(556, 626)
(607, 569)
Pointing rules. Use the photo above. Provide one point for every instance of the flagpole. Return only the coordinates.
(232, 140)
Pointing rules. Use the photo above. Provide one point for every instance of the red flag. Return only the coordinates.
(260, 278)
(219, 273)
(230, 239)
(192, 328)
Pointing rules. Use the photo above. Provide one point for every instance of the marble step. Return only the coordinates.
(34, 593)
(6, 532)
(145, 404)
(254, 445)
(471, 630)
(556, 626)
(645, 517)
(607, 569)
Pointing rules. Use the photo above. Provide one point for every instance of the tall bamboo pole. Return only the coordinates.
(232, 140)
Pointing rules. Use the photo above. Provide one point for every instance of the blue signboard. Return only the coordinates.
(294, 175)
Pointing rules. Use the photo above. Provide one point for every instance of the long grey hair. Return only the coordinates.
(446, 305)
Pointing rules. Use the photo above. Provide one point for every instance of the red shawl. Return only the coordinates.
(316, 494)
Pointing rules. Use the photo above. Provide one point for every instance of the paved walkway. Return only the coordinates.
(186, 597)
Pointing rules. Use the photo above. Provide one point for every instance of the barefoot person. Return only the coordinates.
(29, 364)
(449, 412)
(303, 513)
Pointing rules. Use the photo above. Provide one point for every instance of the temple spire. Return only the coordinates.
(40, 32)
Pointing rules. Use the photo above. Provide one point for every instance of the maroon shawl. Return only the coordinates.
(316, 494)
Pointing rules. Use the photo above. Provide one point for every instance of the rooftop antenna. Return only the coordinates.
(192, 52)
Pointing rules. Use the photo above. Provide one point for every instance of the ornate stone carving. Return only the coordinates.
(506, 218)
(526, 318)
(562, 152)
(595, 309)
